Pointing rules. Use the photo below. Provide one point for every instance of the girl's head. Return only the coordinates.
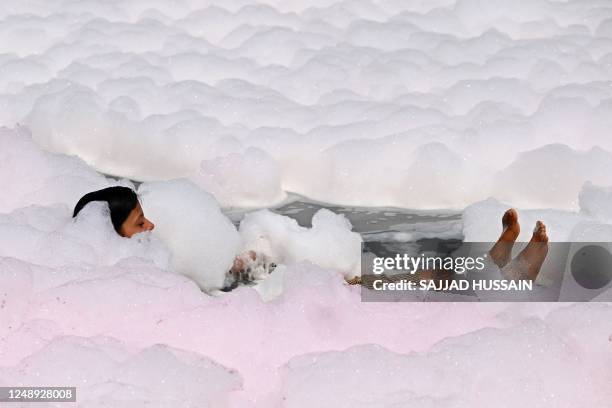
(125, 210)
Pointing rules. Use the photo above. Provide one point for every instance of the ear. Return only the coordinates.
(122, 232)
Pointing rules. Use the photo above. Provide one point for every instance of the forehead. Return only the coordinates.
(136, 213)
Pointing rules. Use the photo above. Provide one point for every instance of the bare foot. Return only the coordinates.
(532, 257)
(501, 252)
(354, 281)
(241, 261)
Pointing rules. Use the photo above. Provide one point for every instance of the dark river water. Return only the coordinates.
(384, 230)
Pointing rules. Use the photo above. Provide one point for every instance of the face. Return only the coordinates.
(135, 223)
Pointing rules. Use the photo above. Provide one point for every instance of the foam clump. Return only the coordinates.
(251, 179)
(528, 184)
(596, 213)
(105, 372)
(596, 202)
(30, 175)
(330, 243)
(203, 242)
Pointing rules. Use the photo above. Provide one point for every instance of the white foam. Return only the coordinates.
(31, 176)
(330, 243)
(242, 177)
(531, 376)
(98, 309)
(333, 98)
(595, 202)
(414, 104)
(203, 242)
(50, 237)
(105, 371)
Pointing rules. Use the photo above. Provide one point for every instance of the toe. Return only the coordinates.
(510, 217)
(539, 232)
(511, 226)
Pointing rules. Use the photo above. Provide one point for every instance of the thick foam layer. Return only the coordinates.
(411, 104)
(525, 371)
(121, 321)
(353, 102)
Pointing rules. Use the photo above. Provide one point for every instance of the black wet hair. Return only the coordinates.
(121, 201)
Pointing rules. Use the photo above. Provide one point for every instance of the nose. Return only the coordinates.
(148, 225)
